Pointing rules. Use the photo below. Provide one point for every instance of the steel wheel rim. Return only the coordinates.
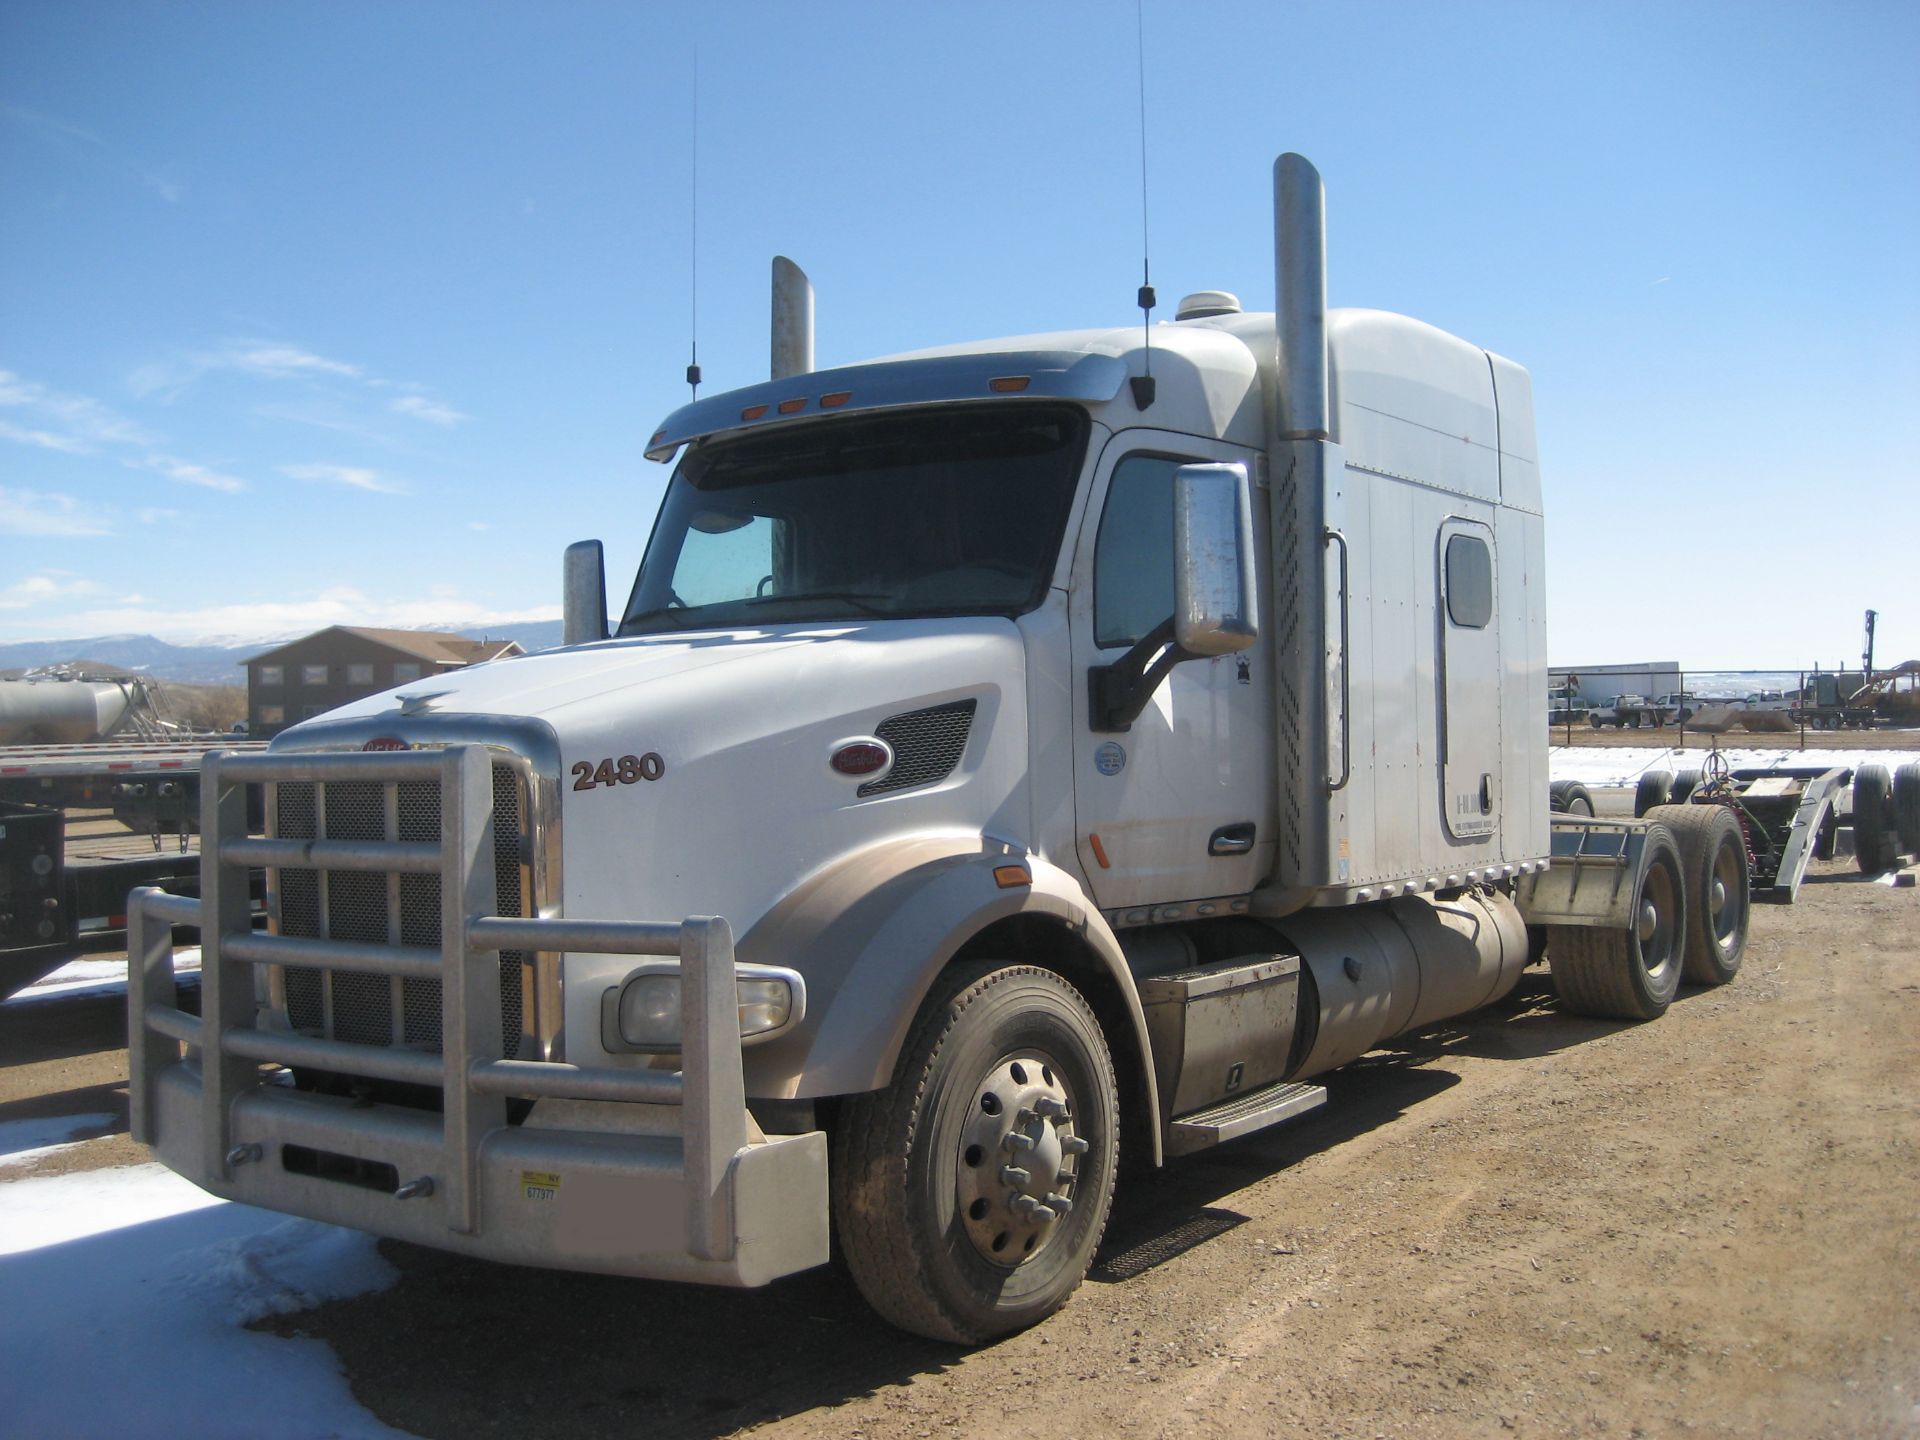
(1657, 930)
(1019, 1158)
(1723, 895)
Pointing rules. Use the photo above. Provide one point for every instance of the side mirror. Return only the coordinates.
(1214, 606)
(584, 594)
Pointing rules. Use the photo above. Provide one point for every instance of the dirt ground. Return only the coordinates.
(1520, 1223)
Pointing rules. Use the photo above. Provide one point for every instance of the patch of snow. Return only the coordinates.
(24, 1141)
(1623, 765)
(98, 977)
(130, 1290)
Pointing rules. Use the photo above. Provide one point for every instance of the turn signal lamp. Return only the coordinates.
(1009, 877)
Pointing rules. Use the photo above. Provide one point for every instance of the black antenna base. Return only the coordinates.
(1147, 298)
(1143, 389)
(693, 375)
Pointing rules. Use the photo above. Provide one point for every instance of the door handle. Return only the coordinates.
(1231, 839)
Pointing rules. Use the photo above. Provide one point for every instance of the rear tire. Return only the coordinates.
(1684, 784)
(1906, 808)
(1713, 859)
(1005, 1070)
(1655, 788)
(1872, 819)
(1569, 797)
(1628, 974)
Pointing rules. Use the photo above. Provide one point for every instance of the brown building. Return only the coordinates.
(324, 670)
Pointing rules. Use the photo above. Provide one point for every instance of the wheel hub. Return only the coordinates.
(1019, 1157)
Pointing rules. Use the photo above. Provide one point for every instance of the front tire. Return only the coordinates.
(970, 1195)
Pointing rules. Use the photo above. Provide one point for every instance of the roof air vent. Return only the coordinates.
(1203, 303)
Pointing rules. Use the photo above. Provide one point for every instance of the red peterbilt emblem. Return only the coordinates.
(386, 742)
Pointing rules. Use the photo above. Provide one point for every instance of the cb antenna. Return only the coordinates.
(1143, 384)
(693, 247)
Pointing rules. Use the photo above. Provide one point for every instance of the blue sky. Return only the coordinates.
(360, 313)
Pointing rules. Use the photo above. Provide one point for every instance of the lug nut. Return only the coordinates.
(1059, 1204)
(1017, 1142)
(1050, 1108)
(1023, 1204)
(1074, 1145)
(1013, 1175)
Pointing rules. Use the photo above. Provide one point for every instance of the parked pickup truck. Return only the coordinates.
(1621, 711)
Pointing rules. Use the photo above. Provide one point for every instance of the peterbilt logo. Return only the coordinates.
(386, 742)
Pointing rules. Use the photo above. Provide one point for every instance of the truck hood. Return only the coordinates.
(692, 769)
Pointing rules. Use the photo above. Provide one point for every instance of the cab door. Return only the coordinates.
(1470, 679)
(1180, 807)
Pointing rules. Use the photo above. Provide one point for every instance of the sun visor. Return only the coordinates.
(1000, 375)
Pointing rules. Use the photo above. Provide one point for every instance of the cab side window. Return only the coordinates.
(1133, 553)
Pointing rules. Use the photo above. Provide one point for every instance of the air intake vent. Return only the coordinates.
(927, 745)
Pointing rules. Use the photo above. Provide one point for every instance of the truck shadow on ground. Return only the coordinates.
(460, 1347)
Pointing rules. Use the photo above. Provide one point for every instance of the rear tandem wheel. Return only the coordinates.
(1630, 974)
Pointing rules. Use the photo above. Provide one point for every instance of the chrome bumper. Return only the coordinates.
(638, 1172)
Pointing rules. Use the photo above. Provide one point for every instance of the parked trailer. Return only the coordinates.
(1794, 814)
(1025, 728)
(56, 891)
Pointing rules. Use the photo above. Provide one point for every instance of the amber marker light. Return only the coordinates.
(1011, 877)
(1099, 851)
(1009, 384)
(835, 400)
(793, 407)
(753, 412)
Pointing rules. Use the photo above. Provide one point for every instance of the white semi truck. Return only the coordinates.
(1067, 748)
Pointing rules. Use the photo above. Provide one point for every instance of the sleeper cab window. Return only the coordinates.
(1133, 554)
(1469, 581)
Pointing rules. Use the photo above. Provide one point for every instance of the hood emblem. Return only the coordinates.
(386, 742)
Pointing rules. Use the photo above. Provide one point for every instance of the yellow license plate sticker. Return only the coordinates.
(539, 1185)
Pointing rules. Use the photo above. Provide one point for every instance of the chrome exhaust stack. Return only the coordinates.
(1300, 297)
(792, 319)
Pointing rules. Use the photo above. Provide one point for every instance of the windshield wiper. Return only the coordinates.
(859, 599)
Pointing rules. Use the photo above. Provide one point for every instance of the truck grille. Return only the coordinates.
(927, 744)
(391, 909)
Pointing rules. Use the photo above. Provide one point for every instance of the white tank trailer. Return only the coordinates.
(1066, 747)
(67, 710)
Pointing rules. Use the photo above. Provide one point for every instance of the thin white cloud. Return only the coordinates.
(65, 133)
(354, 477)
(45, 439)
(338, 605)
(431, 411)
(83, 421)
(188, 473)
(39, 513)
(48, 585)
(259, 359)
(155, 515)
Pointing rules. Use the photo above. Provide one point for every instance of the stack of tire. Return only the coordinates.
(1886, 816)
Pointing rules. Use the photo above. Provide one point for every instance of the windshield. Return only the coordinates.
(950, 512)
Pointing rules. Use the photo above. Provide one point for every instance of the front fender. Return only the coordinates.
(870, 934)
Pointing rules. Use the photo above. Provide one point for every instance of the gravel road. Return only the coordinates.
(1520, 1223)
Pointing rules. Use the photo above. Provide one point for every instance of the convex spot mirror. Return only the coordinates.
(1213, 586)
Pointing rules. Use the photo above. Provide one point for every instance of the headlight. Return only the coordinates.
(643, 1011)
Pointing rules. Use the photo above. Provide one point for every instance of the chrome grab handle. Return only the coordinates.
(1346, 683)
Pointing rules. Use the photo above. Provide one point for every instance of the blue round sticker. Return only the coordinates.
(1110, 759)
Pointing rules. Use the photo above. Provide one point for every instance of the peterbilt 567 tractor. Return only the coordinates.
(1013, 759)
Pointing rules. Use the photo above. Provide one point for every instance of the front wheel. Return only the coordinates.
(969, 1196)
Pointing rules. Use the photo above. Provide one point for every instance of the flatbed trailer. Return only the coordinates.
(64, 881)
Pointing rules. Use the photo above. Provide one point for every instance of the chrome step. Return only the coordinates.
(1242, 1115)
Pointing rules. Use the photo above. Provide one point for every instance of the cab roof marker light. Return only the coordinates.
(793, 406)
(1009, 384)
(835, 400)
(753, 412)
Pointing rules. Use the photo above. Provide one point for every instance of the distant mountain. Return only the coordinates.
(212, 664)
